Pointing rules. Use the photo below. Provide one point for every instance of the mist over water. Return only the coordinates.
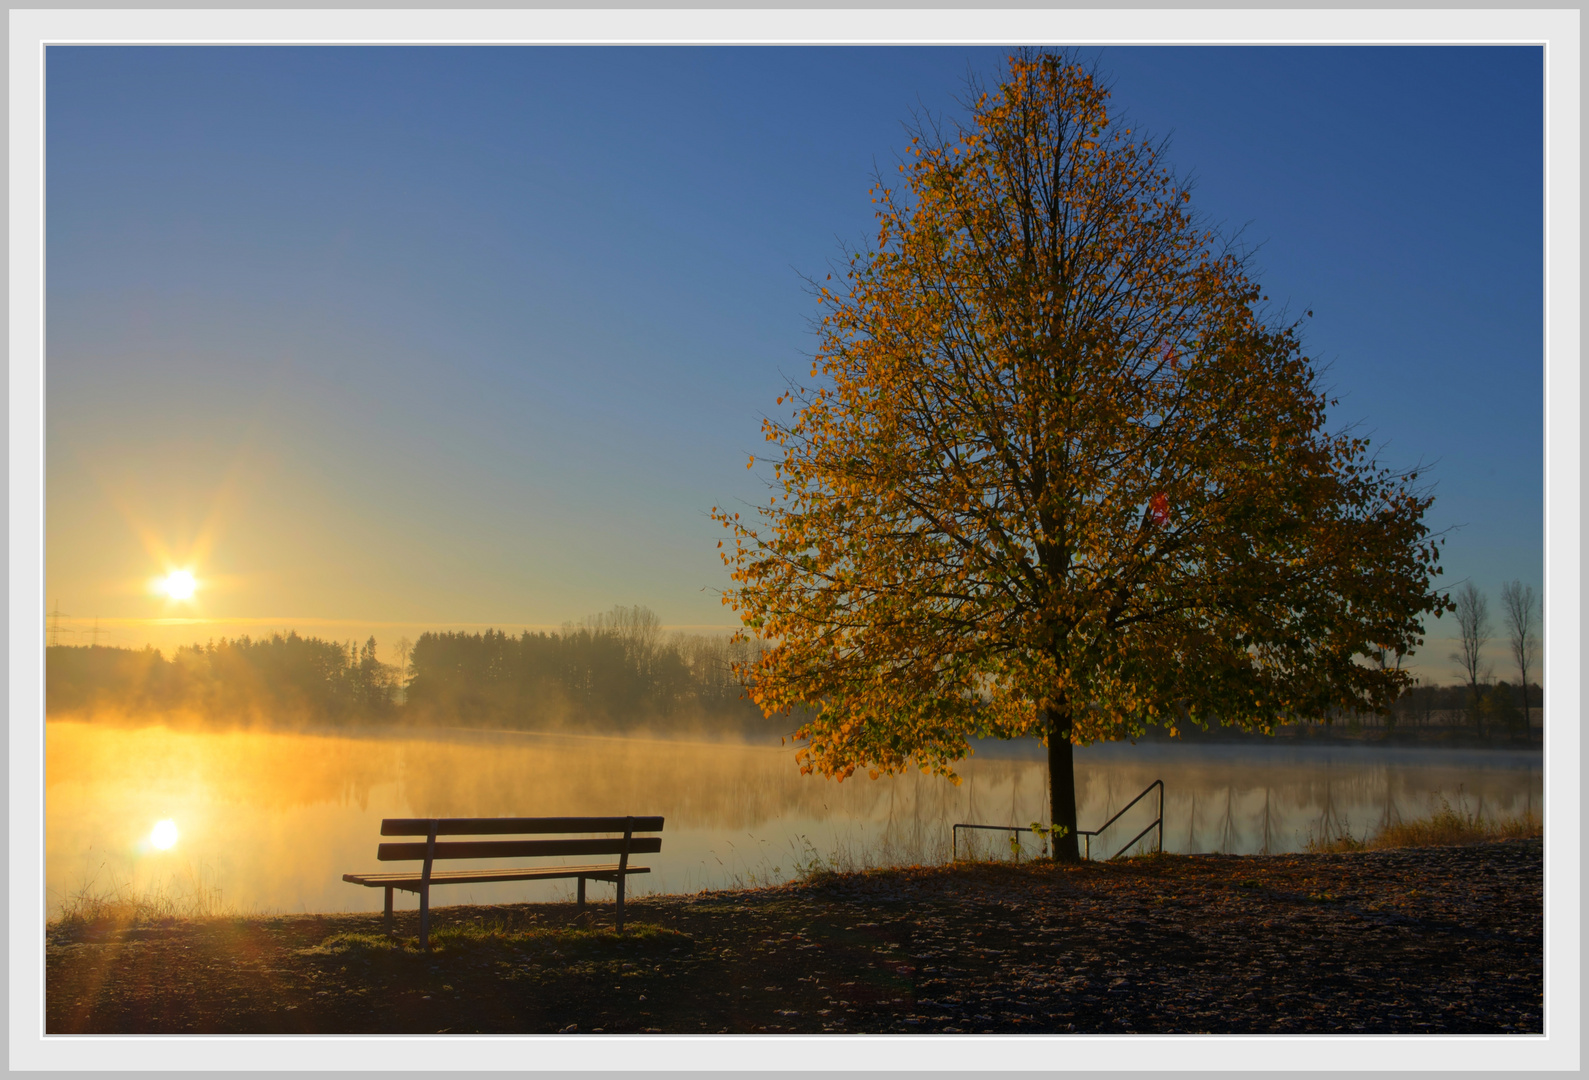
(274, 819)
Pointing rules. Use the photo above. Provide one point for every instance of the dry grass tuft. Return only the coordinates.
(118, 905)
(1446, 827)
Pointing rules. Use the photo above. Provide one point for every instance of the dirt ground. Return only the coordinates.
(1437, 940)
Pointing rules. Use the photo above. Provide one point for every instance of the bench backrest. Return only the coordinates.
(430, 828)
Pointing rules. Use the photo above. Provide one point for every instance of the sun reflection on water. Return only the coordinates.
(277, 818)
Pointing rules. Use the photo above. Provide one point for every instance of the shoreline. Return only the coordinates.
(1395, 940)
(1222, 740)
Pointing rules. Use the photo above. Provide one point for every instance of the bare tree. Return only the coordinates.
(405, 649)
(1473, 623)
(638, 628)
(1521, 612)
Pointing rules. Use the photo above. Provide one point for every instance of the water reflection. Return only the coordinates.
(274, 820)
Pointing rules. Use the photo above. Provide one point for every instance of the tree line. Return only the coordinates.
(1490, 708)
(615, 672)
(283, 679)
(619, 671)
(1492, 705)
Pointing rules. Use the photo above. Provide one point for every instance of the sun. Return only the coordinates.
(164, 834)
(178, 585)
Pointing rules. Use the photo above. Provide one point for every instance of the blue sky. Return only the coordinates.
(396, 338)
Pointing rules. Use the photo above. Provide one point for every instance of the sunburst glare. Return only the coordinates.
(178, 585)
(164, 834)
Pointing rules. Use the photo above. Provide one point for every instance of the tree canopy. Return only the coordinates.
(1055, 475)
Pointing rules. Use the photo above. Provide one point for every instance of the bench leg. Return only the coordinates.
(388, 909)
(424, 918)
(620, 902)
(582, 894)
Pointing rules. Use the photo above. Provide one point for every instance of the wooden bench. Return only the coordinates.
(430, 850)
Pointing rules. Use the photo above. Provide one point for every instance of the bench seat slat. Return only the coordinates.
(498, 826)
(518, 849)
(437, 877)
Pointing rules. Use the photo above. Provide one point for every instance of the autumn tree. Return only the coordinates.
(1053, 474)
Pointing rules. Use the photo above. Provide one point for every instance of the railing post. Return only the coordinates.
(1159, 823)
(1161, 816)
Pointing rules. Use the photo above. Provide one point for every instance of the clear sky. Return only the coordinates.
(382, 339)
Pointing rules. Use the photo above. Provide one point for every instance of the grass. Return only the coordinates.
(495, 937)
(118, 904)
(1446, 827)
(802, 862)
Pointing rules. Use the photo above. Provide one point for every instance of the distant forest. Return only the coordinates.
(1491, 710)
(615, 672)
(1491, 713)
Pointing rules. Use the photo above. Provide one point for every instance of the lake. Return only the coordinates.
(273, 820)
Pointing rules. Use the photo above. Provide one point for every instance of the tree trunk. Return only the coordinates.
(1062, 784)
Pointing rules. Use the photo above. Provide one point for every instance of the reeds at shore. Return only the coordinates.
(113, 903)
(1447, 826)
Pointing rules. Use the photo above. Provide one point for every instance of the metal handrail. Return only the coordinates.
(1088, 833)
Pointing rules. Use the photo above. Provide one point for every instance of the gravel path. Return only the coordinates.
(1438, 940)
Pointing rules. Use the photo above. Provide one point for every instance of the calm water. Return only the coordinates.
(274, 820)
